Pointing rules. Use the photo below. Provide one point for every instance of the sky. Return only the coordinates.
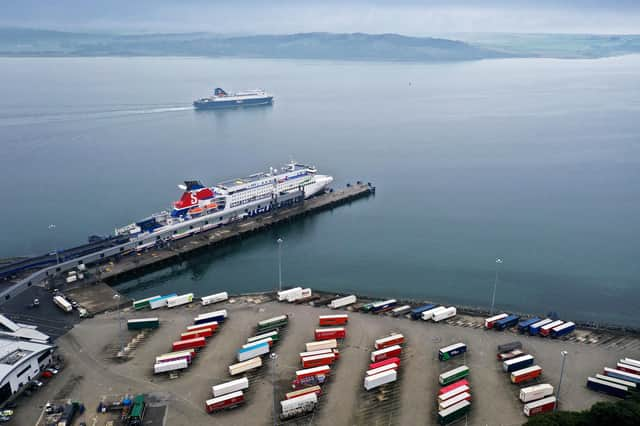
(410, 17)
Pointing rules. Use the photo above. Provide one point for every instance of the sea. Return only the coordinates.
(532, 161)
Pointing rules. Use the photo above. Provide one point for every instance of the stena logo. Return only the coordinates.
(194, 200)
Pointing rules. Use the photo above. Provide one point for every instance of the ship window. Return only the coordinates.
(220, 218)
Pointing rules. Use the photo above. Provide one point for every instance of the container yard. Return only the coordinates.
(343, 400)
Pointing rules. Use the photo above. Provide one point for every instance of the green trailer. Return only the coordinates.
(272, 324)
(136, 415)
(143, 323)
(275, 336)
(454, 412)
(453, 375)
(143, 303)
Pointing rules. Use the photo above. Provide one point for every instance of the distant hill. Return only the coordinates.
(356, 46)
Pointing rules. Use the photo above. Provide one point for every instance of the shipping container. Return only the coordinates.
(388, 352)
(183, 299)
(385, 342)
(510, 355)
(607, 387)
(330, 333)
(324, 320)
(454, 385)
(62, 303)
(245, 366)
(205, 332)
(161, 301)
(322, 344)
(517, 363)
(273, 334)
(628, 368)
(164, 367)
(343, 301)
(507, 347)
(298, 406)
(181, 345)
(267, 340)
(217, 316)
(318, 360)
(450, 351)
(507, 322)
(253, 351)
(526, 374)
(143, 303)
(392, 360)
(535, 328)
(630, 385)
(454, 375)
(533, 393)
(453, 413)
(373, 372)
(311, 389)
(453, 392)
(619, 374)
(376, 380)
(143, 323)
(285, 294)
(543, 405)
(428, 314)
(271, 324)
(383, 306)
(464, 396)
(400, 310)
(213, 326)
(224, 402)
(173, 356)
(488, 322)
(416, 313)
(214, 298)
(563, 330)
(523, 326)
(545, 330)
(229, 387)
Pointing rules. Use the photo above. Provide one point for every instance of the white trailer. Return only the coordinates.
(214, 298)
(392, 366)
(228, 387)
(62, 303)
(463, 396)
(262, 336)
(267, 340)
(533, 393)
(285, 294)
(215, 314)
(248, 365)
(164, 367)
(372, 382)
(253, 351)
(183, 299)
(322, 344)
(453, 392)
(343, 301)
(427, 315)
(449, 312)
(298, 405)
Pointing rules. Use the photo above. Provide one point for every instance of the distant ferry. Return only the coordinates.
(222, 99)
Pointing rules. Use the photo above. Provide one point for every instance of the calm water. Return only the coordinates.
(534, 161)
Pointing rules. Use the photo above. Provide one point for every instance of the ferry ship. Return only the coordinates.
(201, 207)
(222, 99)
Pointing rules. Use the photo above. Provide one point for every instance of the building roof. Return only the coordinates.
(14, 353)
(9, 328)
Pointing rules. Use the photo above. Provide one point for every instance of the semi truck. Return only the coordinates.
(62, 303)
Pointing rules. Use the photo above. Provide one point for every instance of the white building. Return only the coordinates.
(20, 362)
(9, 328)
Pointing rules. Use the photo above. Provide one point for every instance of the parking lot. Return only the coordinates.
(93, 371)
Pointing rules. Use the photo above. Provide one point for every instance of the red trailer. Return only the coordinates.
(392, 360)
(386, 353)
(330, 333)
(213, 325)
(182, 345)
(224, 402)
(313, 372)
(452, 386)
(628, 368)
(318, 360)
(333, 319)
(385, 342)
(206, 332)
(529, 373)
(543, 405)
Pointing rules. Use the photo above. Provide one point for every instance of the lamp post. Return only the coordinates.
(274, 357)
(564, 357)
(52, 227)
(279, 241)
(495, 284)
(116, 297)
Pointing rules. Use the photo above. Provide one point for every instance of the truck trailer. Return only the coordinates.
(214, 298)
(229, 387)
(526, 374)
(388, 352)
(224, 402)
(343, 301)
(325, 320)
(183, 299)
(243, 367)
(377, 380)
(385, 342)
(450, 351)
(543, 405)
(533, 393)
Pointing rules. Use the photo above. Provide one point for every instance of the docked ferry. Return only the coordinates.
(222, 99)
(204, 207)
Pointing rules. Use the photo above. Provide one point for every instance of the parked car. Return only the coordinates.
(4, 419)
(46, 374)
(52, 370)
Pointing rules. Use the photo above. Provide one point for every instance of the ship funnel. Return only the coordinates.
(182, 187)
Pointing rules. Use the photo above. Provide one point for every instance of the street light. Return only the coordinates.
(52, 227)
(274, 357)
(279, 241)
(564, 357)
(116, 297)
(495, 284)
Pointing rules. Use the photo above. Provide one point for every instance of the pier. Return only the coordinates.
(122, 260)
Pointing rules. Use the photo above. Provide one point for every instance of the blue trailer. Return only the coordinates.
(609, 388)
(535, 328)
(507, 322)
(416, 313)
(523, 326)
(446, 353)
(563, 330)
(383, 306)
(515, 364)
